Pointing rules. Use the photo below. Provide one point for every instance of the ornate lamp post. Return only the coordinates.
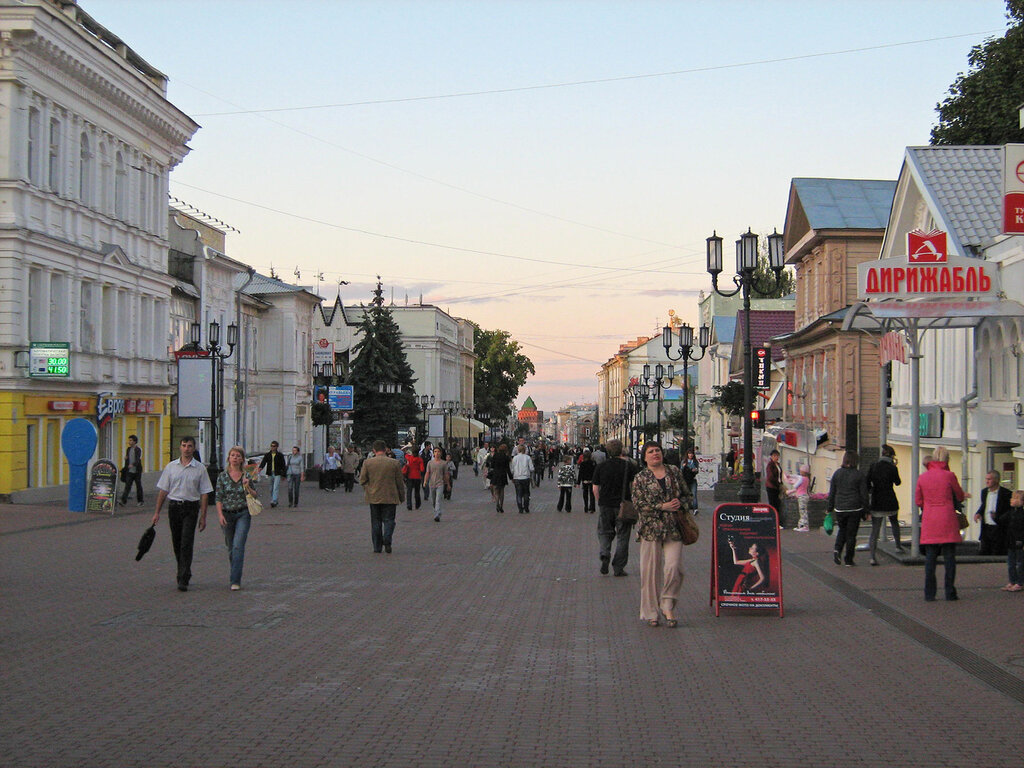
(685, 354)
(746, 263)
(657, 383)
(214, 348)
(425, 402)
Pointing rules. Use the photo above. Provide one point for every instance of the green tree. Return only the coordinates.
(729, 398)
(982, 106)
(380, 359)
(764, 275)
(500, 371)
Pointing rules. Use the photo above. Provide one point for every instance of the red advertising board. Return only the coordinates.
(746, 561)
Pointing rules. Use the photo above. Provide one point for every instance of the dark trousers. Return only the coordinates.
(774, 498)
(848, 525)
(412, 488)
(588, 496)
(183, 516)
(522, 494)
(1015, 565)
(137, 480)
(349, 478)
(565, 498)
(992, 539)
(382, 525)
(538, 475)
(610, 529)
(931, 556)
(877, 523)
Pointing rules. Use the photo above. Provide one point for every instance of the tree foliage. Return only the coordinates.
(380, 359)
(764, 275)
(500, 371)
(729, 399)
(982, 106)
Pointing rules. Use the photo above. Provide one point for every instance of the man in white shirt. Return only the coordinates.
(186, 484)
(995, 503)
(522, 471)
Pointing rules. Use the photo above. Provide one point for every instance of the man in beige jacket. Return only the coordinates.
(382, 481)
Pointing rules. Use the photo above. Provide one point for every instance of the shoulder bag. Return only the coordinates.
(686, 522)
(627, 512)
(254, 504)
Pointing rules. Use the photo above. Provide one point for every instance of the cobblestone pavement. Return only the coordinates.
(483, 640)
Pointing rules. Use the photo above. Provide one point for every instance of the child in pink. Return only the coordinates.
(799, 486)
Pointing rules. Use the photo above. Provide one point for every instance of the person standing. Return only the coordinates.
(438, 478)
(522, 474)
(611, 485)
(773, 483)
(658, 491)
(1014, 521)
(995, 502)
(883, 476)
(848, 500)
(691, 469)
(566, 482)
(481, 457)
(332, 468)
(132, 470)
(296, 474)
(233, 486)
(349, 465)
(586, 478)
(453, 473)
(381, 478)
(799, 489)
(413, 472)
(599, 456)
(185, 485)
(539, 460)
(937, 490)
(273, 461)
(500, 474)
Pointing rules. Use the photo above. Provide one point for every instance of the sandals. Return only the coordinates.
(671, 623)
(652, 622)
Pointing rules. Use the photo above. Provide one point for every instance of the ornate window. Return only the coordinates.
(120, 187)
(33, 145)
(54, 153)
(85, 170)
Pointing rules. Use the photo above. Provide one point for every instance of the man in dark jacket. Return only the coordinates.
(848, 501)
(276, 466)
(611, 484)
(995, 503)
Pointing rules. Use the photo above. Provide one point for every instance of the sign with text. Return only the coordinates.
(102, 487)
(341, 398)
(893, 346)
(49, 360)
(323, 352)
(746, 564)
(1013, 189)
(952, 277)
(762, 367)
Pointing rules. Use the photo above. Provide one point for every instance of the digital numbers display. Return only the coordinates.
(51, 359)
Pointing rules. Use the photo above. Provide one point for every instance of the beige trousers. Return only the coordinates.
(666, 557)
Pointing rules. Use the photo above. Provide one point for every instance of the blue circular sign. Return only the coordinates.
(78, 440)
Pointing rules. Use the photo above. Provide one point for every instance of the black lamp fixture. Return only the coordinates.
(685, 353)
(744, 280)
(214, 349)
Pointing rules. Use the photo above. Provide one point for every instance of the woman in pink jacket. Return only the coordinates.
(937, 489)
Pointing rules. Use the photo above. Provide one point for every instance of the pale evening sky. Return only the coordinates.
(548, 168)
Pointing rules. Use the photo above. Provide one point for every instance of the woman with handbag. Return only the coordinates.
(936, 494)
(233, 489)
(658, 492)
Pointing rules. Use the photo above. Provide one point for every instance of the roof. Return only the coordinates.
(529, 405)
(724, 328)
(845, 203)
(764, 325)
(261, 284)
(966, 186)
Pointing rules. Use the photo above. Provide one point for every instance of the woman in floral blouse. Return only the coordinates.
(657, 492)
(232, 486)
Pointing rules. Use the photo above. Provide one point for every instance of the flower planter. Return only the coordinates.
(816, 511)
(727, 490)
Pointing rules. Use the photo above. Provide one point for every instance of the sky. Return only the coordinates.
(551, 169)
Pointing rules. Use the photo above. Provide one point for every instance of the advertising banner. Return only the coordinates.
(102, 487)
(746, 564)
(708, 475)
(341, 398)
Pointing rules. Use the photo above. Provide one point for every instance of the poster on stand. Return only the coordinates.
(746, 562)
(102, 487)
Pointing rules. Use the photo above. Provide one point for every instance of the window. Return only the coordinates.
(55, 169)
(33, 145)
(825, 400)
(59, 307)
(87, 339)
(814, 388)
(120, 187)
(124, 325)
(146, 329)
(143, 198)
(85, 164)
(109, 319)
(106, 183)
(37, 314)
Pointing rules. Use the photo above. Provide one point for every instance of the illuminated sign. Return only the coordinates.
(762, 368)
(49, 360)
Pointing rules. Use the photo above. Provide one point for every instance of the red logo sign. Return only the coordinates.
(1013, 213)
(926, 247)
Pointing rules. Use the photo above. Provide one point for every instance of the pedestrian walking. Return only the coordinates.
(332, 468)
(587, 466)
(438, 478)
(611, 486)
(381, 478)
(1013, 522)
(522, 474)
(690, 468)
(883, 475)
(540, 459)
(566, 482)
(131, 472)
(273, 461)
(185, 485)
(481, 458)
(233, 488)
(453, 473)
(499, 475)
(848, 500)
(658, 491)
(350, 460)
(413, 473)
(937, 490)
(799, 489)
(296, 474)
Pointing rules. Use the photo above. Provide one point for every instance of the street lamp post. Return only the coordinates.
(685, 354)
(425, 402)
(746, 264)
(658, 382)
(217, 384)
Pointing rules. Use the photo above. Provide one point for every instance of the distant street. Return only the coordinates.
(483, 640)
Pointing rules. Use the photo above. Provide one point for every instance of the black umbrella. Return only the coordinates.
(146, 541)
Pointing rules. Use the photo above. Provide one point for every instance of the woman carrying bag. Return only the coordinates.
(233, 489)
(658, 492)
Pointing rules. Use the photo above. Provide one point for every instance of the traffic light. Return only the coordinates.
(757, 419)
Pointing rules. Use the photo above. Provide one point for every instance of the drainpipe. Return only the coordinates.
(972, 395)
(244, 337)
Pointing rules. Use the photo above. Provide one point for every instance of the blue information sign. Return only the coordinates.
(341, 398)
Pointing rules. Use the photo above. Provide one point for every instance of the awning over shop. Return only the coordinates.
(460, 427)
(869, 315)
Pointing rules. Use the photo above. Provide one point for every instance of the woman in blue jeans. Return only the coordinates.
(233, 484)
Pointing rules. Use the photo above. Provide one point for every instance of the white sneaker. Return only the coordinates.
(802, 529)
(235, 587)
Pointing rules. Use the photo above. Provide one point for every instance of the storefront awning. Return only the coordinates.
(460, 427)
(869, 315)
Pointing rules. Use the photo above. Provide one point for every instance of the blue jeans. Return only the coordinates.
(294, 481)
(931, 556)
(235, 534)
(382, 525)
(438, 496)
(1015, 565)
(609, 528)
(275, 487)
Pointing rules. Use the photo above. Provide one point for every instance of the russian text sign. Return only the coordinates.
(898, 278)
(746, 565)
(1013, 189)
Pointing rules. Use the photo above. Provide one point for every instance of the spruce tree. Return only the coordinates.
(380, 359)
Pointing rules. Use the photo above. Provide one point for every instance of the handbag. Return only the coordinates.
(627, 512)
(687, 525)
(961, 520)
(829, 523)
(254, 504)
